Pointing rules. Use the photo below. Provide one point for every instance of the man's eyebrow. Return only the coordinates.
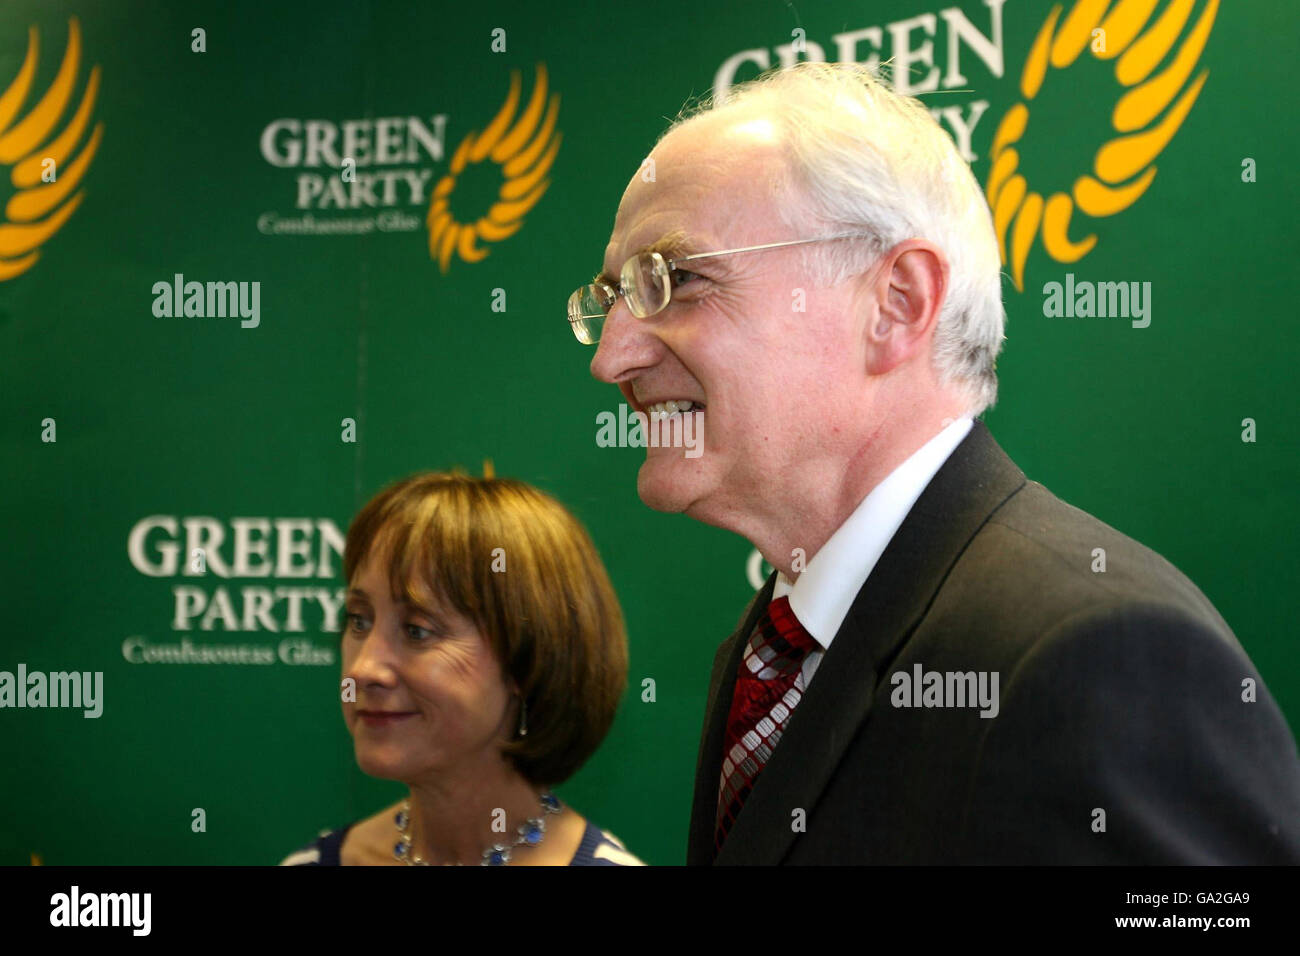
(675, 243)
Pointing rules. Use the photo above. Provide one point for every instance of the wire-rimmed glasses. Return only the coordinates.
(646, 281)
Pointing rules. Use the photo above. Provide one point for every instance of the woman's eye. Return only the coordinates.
(420, 634)
(359, 624)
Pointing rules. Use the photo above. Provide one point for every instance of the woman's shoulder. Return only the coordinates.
(601, 848)
(323, 851)
(364, 842)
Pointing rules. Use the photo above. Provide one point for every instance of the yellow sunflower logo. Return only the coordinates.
(523, 149)
(46, 182)
(1123, 167)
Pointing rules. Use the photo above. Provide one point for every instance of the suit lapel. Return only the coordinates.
(970, 485)
(708, 767)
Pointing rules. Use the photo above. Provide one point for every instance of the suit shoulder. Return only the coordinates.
(1136, 733)
(1038, 544)
(1157, 639)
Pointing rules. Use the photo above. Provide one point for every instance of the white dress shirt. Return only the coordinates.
(825, 589)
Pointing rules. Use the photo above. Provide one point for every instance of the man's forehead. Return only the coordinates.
(707, 176)
(673, 207)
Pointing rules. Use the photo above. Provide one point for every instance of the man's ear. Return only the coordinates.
(910, 287)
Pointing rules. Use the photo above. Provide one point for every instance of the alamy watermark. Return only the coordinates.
(213, 300)
(1103, 300)
(659, 429)
(74, 908)
(922, 688)
(57, 689)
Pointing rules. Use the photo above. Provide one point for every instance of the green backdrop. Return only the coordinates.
(182, 418)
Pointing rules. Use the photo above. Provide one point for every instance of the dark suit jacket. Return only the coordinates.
(1119, 691)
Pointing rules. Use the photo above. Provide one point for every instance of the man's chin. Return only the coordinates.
(666, 488)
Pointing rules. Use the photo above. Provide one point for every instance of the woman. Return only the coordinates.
(484, 656)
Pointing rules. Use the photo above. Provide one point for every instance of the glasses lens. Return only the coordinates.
(588, 307)
(645, 282)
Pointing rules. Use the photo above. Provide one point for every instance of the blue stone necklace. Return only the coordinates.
(529, 833)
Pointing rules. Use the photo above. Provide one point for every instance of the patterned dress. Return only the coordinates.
(598, 848)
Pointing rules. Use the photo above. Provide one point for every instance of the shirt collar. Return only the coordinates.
(825, 589)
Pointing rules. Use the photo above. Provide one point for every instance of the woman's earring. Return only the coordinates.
(523, 717)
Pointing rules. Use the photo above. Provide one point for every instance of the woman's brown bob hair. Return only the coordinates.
(514, 561)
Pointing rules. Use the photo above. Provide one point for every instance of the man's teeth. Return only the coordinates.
(672, 408)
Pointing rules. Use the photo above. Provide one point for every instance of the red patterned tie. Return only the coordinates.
(765, 697)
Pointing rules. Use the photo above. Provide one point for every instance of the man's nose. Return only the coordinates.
(625, 345)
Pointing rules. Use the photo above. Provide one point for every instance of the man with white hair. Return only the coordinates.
(934, 673)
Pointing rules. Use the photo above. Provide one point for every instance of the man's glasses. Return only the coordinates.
(647, 283)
